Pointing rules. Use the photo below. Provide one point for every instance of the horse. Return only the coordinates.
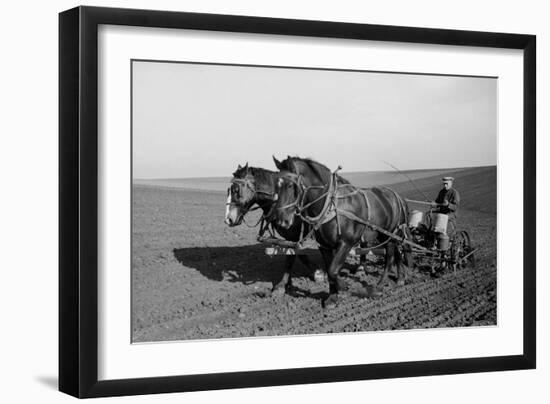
(342, 216)
(254, 186)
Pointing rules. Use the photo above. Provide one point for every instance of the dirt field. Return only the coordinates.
(193, 277)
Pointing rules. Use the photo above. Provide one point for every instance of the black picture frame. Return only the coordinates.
(78, 201)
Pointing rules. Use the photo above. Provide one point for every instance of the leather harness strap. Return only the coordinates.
(249, 184)
(330, 210)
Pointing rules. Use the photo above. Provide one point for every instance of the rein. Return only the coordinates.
(299, 201)
(331, 197)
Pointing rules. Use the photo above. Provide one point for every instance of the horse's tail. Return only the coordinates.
(402, 207)
(403, 224)
(404, 210)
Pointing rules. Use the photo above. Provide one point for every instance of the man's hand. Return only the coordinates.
(434, 204)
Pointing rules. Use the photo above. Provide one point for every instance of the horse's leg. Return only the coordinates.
(390, 262)
(362, 260)
(280, 288)
(335, 283)
(309, 265)
(406, 261)
(363, 257)
(327, 257)
(401, 271)
(409, 258)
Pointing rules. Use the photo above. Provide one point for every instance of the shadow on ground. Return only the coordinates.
(249, 264)
(245, 264)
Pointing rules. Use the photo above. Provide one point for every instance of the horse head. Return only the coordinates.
(299, 183)
(240, 195)
(249, 186)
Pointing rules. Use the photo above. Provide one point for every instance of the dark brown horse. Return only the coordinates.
(338, 212)
(253, 186)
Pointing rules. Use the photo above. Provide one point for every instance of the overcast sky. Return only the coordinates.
(202, 120)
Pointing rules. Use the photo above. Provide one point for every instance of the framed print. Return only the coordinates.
(250, 201)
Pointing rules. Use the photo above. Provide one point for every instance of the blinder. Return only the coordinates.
(296, 179)
(247, 183)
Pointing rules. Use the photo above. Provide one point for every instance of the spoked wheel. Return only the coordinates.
(462, 251)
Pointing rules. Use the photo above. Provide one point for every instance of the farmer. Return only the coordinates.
(447, 202)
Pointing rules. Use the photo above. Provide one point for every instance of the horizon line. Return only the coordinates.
(342, 172)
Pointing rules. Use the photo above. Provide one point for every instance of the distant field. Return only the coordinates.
(361, 179)
(374, 178)
(477, 187)
(194, 277)
(207, 184)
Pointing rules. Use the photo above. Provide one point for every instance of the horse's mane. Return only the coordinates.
(320, 170)
(261, 175)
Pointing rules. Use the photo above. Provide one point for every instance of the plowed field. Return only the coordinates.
(193, 277)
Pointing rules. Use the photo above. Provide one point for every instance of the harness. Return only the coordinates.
(330, 208)
(298, 204)
(246, 182)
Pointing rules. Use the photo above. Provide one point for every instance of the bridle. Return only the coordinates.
(299, 203)
(247, 183)
(331, 210)
(297, 180)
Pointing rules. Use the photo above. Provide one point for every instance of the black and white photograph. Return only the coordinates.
(273, 201)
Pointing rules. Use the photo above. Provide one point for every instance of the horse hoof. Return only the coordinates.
(319, 276)
(374, 292)
(278, 291)
(330, 302)
(342, 285)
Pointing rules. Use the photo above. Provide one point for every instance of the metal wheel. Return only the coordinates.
(462, 251)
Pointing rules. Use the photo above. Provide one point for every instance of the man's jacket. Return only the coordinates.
(452, 197)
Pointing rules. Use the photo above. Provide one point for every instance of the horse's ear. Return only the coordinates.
(277, 163)
(239, 167)
(246, 165)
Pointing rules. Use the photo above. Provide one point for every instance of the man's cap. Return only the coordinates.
(446, 179)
